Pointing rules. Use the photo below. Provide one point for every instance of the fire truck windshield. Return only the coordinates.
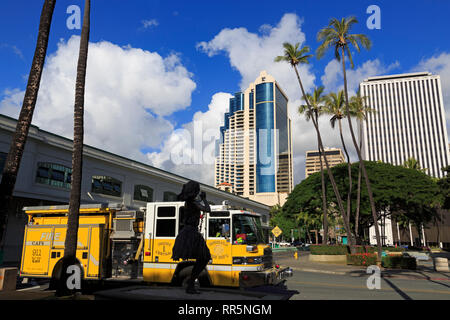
(247, 229)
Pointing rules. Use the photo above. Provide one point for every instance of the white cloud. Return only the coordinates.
(334, 81)
(189, 151)
(128, 93)
(14, 49)
(249, 53)
(149, 23)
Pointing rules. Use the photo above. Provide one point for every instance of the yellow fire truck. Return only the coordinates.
(117, 243)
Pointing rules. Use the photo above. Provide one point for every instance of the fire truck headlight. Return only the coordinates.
(247, 260)
(254, 260)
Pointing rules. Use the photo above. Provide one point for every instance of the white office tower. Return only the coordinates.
(409, 121)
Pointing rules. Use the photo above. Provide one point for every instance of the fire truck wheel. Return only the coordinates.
(56, 274)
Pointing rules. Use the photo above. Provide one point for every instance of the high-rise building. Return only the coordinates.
(254, 153)
(312, 162)
(409, 121)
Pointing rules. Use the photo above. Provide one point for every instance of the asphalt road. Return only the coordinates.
(320, 286)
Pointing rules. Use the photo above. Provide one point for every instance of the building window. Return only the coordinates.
(54, 175)
(169, 196)
(106, 185)
(143, 193)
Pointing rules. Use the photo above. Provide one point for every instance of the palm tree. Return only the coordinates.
(294, 57)
(359, 109)
(70, 245)
(335, 107)
(336, 35)
(412, 163)
(316, 101)
(309, 221)
(12, 163)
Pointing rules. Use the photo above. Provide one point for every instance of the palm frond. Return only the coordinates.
(294, 56)
(337, 34)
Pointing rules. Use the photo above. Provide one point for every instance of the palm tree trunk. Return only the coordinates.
(324, 197)
(330, 174)
(358, 194)
(308, 234)
(16, 149)
(358, 202)
(349, 166)
(363, 167)
(77, 155)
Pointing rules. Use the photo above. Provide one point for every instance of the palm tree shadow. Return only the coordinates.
(392, 273)
(434, 281)
(398, 290)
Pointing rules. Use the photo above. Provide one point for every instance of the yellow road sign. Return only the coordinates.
(276, 231)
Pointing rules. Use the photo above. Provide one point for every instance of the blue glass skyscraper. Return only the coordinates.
(254, 154)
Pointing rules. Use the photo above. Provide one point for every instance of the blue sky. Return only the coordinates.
(411, 34)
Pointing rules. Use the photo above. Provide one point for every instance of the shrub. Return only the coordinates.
(390, 249)
(421, 249)
(399, 262)
(360, 249)
(362, 259)
(394, 249)
(329, 250)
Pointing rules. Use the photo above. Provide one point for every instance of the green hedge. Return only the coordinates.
(362, 259)
(399, 262)
(345, 249)
(328, 250)
(393, 249)
(371, 249)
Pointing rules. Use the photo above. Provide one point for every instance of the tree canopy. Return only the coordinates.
(444, 186)
(405, 193)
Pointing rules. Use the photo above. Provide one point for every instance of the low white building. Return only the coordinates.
(385, 229)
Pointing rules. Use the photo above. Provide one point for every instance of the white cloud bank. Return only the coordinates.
(189, 151)
(128, 93)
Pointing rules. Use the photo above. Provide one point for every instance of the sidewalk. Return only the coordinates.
(424, 271)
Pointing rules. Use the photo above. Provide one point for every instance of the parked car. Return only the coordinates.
(296, 243)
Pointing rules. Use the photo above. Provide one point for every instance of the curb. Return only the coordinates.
(319, 271)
